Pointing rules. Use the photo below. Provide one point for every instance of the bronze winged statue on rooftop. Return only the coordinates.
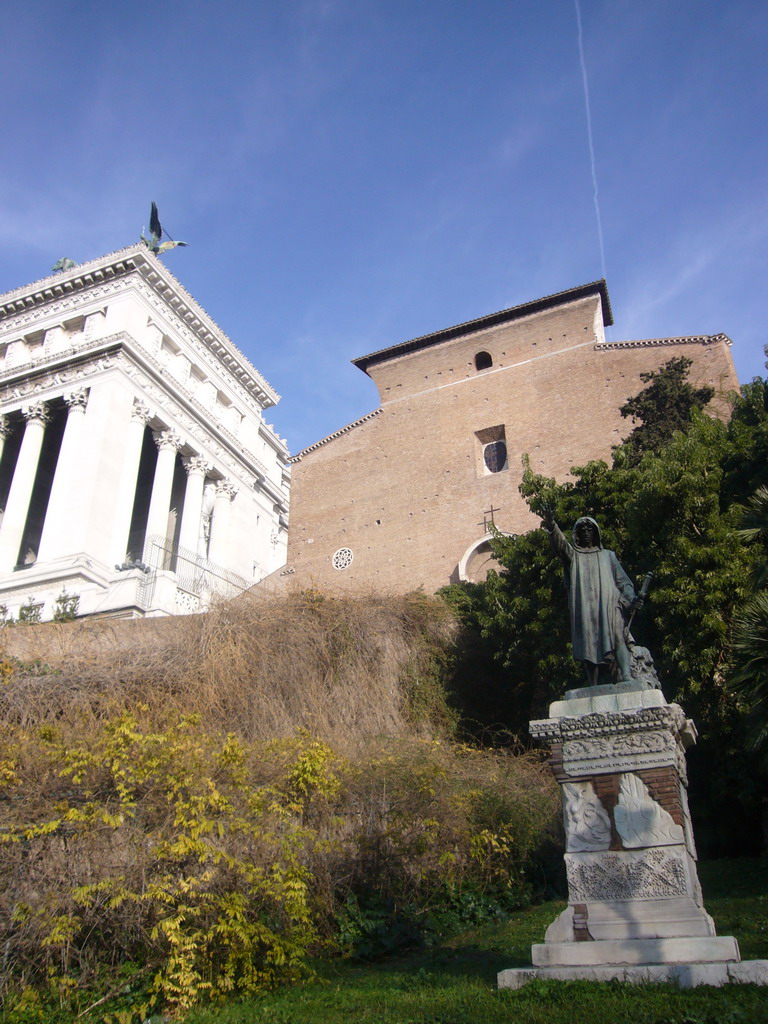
(65, 263)
(156, 232)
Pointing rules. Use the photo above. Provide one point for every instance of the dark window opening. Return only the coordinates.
(143, 494)
(10, 457)
(41, 490)
(175, 514)
(483, 361)
(495, 456)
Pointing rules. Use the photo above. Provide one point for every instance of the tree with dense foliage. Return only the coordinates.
(750, 678)
(664, 406)
(675, 511)
(750, 639)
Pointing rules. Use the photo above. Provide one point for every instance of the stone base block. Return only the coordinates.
(589, 700)
(686, 975)
(641, 919)
(619, 952)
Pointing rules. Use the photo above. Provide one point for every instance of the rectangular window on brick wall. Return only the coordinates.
(491, 450)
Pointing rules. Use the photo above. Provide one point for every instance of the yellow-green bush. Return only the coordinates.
(214, 865)
(167, 849)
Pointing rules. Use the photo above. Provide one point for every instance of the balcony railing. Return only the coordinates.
(195, 575)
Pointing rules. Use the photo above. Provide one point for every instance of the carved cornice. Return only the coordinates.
(606, 753)
(67, 355)
(66, 361)
(62, 369)
(694, 339)
(58, 286)
(23, 321)
(104, 276)
(612, 740)
(247, 386)
(610, 723)
(151, 379)
(17, 318)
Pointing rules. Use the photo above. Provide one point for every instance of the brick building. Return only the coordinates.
(401, 498)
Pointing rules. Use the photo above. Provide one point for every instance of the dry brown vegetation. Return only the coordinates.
(344, 668)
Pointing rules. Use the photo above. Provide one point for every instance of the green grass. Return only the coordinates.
(455, 983)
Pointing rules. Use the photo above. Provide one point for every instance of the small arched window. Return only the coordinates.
(483, 361)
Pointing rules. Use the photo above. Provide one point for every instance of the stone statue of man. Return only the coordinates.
(600, 597)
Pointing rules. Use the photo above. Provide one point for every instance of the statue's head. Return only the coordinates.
(586, 533)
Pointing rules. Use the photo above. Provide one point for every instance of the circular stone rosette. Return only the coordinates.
(342, 559)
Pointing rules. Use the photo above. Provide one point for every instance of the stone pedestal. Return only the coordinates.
(635, 909)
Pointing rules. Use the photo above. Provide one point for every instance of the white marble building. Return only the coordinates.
(137, 471)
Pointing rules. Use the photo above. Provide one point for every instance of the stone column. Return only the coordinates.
(5, 430)
(168, 443)
(197, 469)
(63, 528)
(20, 494)
(217, 547)
(126, 488)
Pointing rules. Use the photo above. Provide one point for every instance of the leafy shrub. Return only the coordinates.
(169, 866)
(441, 836)
(165, 849)
(30, 612)
(65, 607)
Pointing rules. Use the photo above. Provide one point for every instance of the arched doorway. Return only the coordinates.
(478, 560)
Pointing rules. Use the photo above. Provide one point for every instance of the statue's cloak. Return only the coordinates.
(598, 591)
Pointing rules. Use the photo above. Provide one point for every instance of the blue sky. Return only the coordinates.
(352, 173)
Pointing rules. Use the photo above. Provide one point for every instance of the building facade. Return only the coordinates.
(403, 497)
(137, 472)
